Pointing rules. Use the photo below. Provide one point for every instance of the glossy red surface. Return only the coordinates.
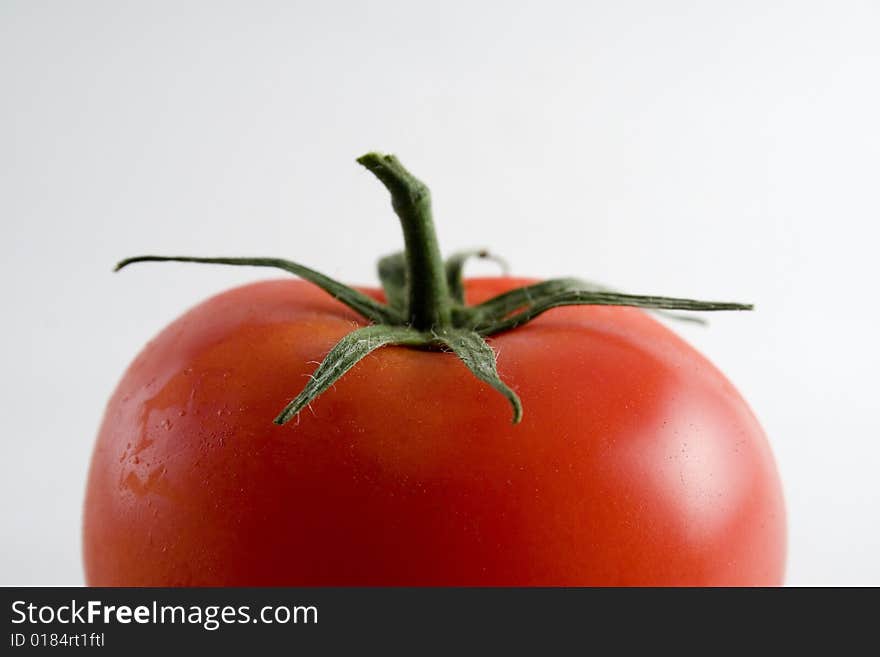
(637, 462)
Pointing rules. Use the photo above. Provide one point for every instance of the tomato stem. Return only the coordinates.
(425, 298)
(429, 302)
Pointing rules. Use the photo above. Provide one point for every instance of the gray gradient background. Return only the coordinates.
(706, 149)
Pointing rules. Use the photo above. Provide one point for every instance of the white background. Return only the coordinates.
(706, 149)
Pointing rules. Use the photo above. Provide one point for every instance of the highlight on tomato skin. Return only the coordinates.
(636, 462)
(439, 431)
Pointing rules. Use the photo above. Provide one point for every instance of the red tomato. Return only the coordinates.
(636, 463)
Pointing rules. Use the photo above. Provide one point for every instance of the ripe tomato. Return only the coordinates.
(636, 461)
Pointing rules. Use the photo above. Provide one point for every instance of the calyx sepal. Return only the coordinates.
(425, 305)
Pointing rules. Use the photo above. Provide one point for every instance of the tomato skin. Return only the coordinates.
(636, 463)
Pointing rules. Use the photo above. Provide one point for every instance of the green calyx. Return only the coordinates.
(425, 305)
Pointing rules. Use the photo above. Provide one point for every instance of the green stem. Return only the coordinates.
(426, 307)
(430, 304)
